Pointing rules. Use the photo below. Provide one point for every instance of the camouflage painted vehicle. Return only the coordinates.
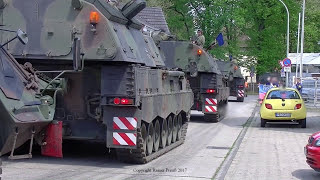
(206, 80)
(235, 79)
(25, 112)
(123, 96)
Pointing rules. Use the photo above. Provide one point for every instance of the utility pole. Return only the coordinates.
(288, 32)
(298, 45)
(302, 37)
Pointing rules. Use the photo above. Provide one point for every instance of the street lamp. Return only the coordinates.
(298, 44)
(302, 37)
(288, 28)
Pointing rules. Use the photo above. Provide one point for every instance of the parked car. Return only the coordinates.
(312, 151)
(281, 105)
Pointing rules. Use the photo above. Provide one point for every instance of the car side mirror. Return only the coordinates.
(77, 63)
(22, 36)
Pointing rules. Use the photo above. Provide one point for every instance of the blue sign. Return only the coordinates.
(264, 88)
(287, 62)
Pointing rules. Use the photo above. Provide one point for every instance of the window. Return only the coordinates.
(283, 94)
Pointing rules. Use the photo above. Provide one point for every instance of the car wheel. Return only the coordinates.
(303, 123)
(263, 122)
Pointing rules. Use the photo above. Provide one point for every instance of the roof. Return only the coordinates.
(153, 17)
(308, 58)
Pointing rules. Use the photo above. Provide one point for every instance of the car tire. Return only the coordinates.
(263, 123)
(303, 123)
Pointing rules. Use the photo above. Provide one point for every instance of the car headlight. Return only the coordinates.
(317, 143)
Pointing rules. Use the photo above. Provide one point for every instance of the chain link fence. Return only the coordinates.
(311, 91)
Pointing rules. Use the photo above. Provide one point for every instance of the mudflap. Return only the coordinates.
(210, 106)
(240, 93)
(53, 140)
(214, 110)
(210, 109)
(122, 124)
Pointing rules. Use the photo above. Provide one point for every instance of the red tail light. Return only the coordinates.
(122, 101)
(125, 101)
(268, 106)
(298, 106)
(240, 86)
(210, 91)
(116, 101)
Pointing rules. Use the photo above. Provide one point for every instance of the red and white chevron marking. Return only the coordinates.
(211, 108)
(240, 93)
(128, 123)
(211, 101)
(124, 139)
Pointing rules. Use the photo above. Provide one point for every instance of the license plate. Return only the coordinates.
(283, 114)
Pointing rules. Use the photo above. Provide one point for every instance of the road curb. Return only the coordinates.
(225, 165)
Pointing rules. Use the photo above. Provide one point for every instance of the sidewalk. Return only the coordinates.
(274, 152)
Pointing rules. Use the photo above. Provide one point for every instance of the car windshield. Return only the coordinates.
(283, 94)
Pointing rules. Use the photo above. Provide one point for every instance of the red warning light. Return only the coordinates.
(94, 17)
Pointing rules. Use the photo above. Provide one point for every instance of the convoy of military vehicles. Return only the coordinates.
(88, 73)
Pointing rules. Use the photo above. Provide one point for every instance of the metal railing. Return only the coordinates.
(311, 91)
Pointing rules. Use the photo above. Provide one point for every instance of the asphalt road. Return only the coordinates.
(204, 150)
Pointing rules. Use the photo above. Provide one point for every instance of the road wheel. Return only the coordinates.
(150, 139)
(263, 122)
(170, 128)
(164, 133)
(175, 129)
(144, 134)
(157, 135)
(179, 127)
(303, 123)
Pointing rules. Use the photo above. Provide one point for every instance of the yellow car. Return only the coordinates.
(281, 105)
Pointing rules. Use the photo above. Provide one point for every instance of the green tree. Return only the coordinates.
(264, 22)
(178, 16)
(312, 26)
(266, 25)
(216, 17)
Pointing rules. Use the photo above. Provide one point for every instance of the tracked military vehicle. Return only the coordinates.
(208, 84)
(235, 79)
(24, 112)
(120, 92)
